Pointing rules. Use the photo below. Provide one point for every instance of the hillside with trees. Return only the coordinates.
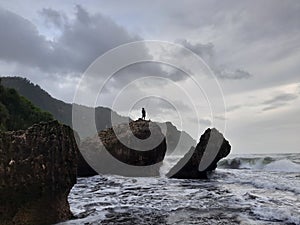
(17, 112)
(60, 110)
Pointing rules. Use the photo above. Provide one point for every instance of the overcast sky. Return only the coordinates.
(251, 47)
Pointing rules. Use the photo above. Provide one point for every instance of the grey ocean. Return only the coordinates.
(245, 189)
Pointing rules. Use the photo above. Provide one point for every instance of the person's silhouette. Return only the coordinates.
(143, 114)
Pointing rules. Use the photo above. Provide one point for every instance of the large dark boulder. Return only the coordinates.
(199, 161)
(37, 170)
(176, 142)
(134, 149)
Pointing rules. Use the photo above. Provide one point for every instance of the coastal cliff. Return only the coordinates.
(37, 171)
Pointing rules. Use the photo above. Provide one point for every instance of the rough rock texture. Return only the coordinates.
(199, 161)
(127, 150)
(37, 171)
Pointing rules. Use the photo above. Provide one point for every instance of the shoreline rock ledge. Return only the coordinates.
(200, 161)
(37, 172)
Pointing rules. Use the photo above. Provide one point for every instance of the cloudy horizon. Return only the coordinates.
(252, 48)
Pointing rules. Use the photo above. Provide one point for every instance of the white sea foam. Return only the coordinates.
(283, 165)
(168, 163)
(265, 163)
(288, 216)
(263, 180)
(241, 196)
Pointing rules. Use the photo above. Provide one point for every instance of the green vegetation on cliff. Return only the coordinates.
(17, 112)
(60, 110)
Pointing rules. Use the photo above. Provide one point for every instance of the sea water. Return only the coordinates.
(245, 189)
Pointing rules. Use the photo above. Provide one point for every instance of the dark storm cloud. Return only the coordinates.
(88, 37)
(53, 17)
(207, 53)
(279, 101)
(21, 42)
(82, 40)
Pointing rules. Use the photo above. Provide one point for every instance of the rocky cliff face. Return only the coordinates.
(137, 149)
(211, 148)
(37, 171)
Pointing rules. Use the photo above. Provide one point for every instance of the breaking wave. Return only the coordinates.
(261, 163)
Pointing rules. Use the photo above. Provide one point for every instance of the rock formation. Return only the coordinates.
(37, 171)
(211, 148)
(176, 142)
(137, 149)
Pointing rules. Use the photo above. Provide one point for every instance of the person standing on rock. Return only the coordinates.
(143, 114)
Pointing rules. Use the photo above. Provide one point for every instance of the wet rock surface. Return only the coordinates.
(137, 149)
(203, 158)
(37, 170)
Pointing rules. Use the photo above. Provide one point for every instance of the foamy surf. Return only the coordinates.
(230, 196)
(267, 163)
